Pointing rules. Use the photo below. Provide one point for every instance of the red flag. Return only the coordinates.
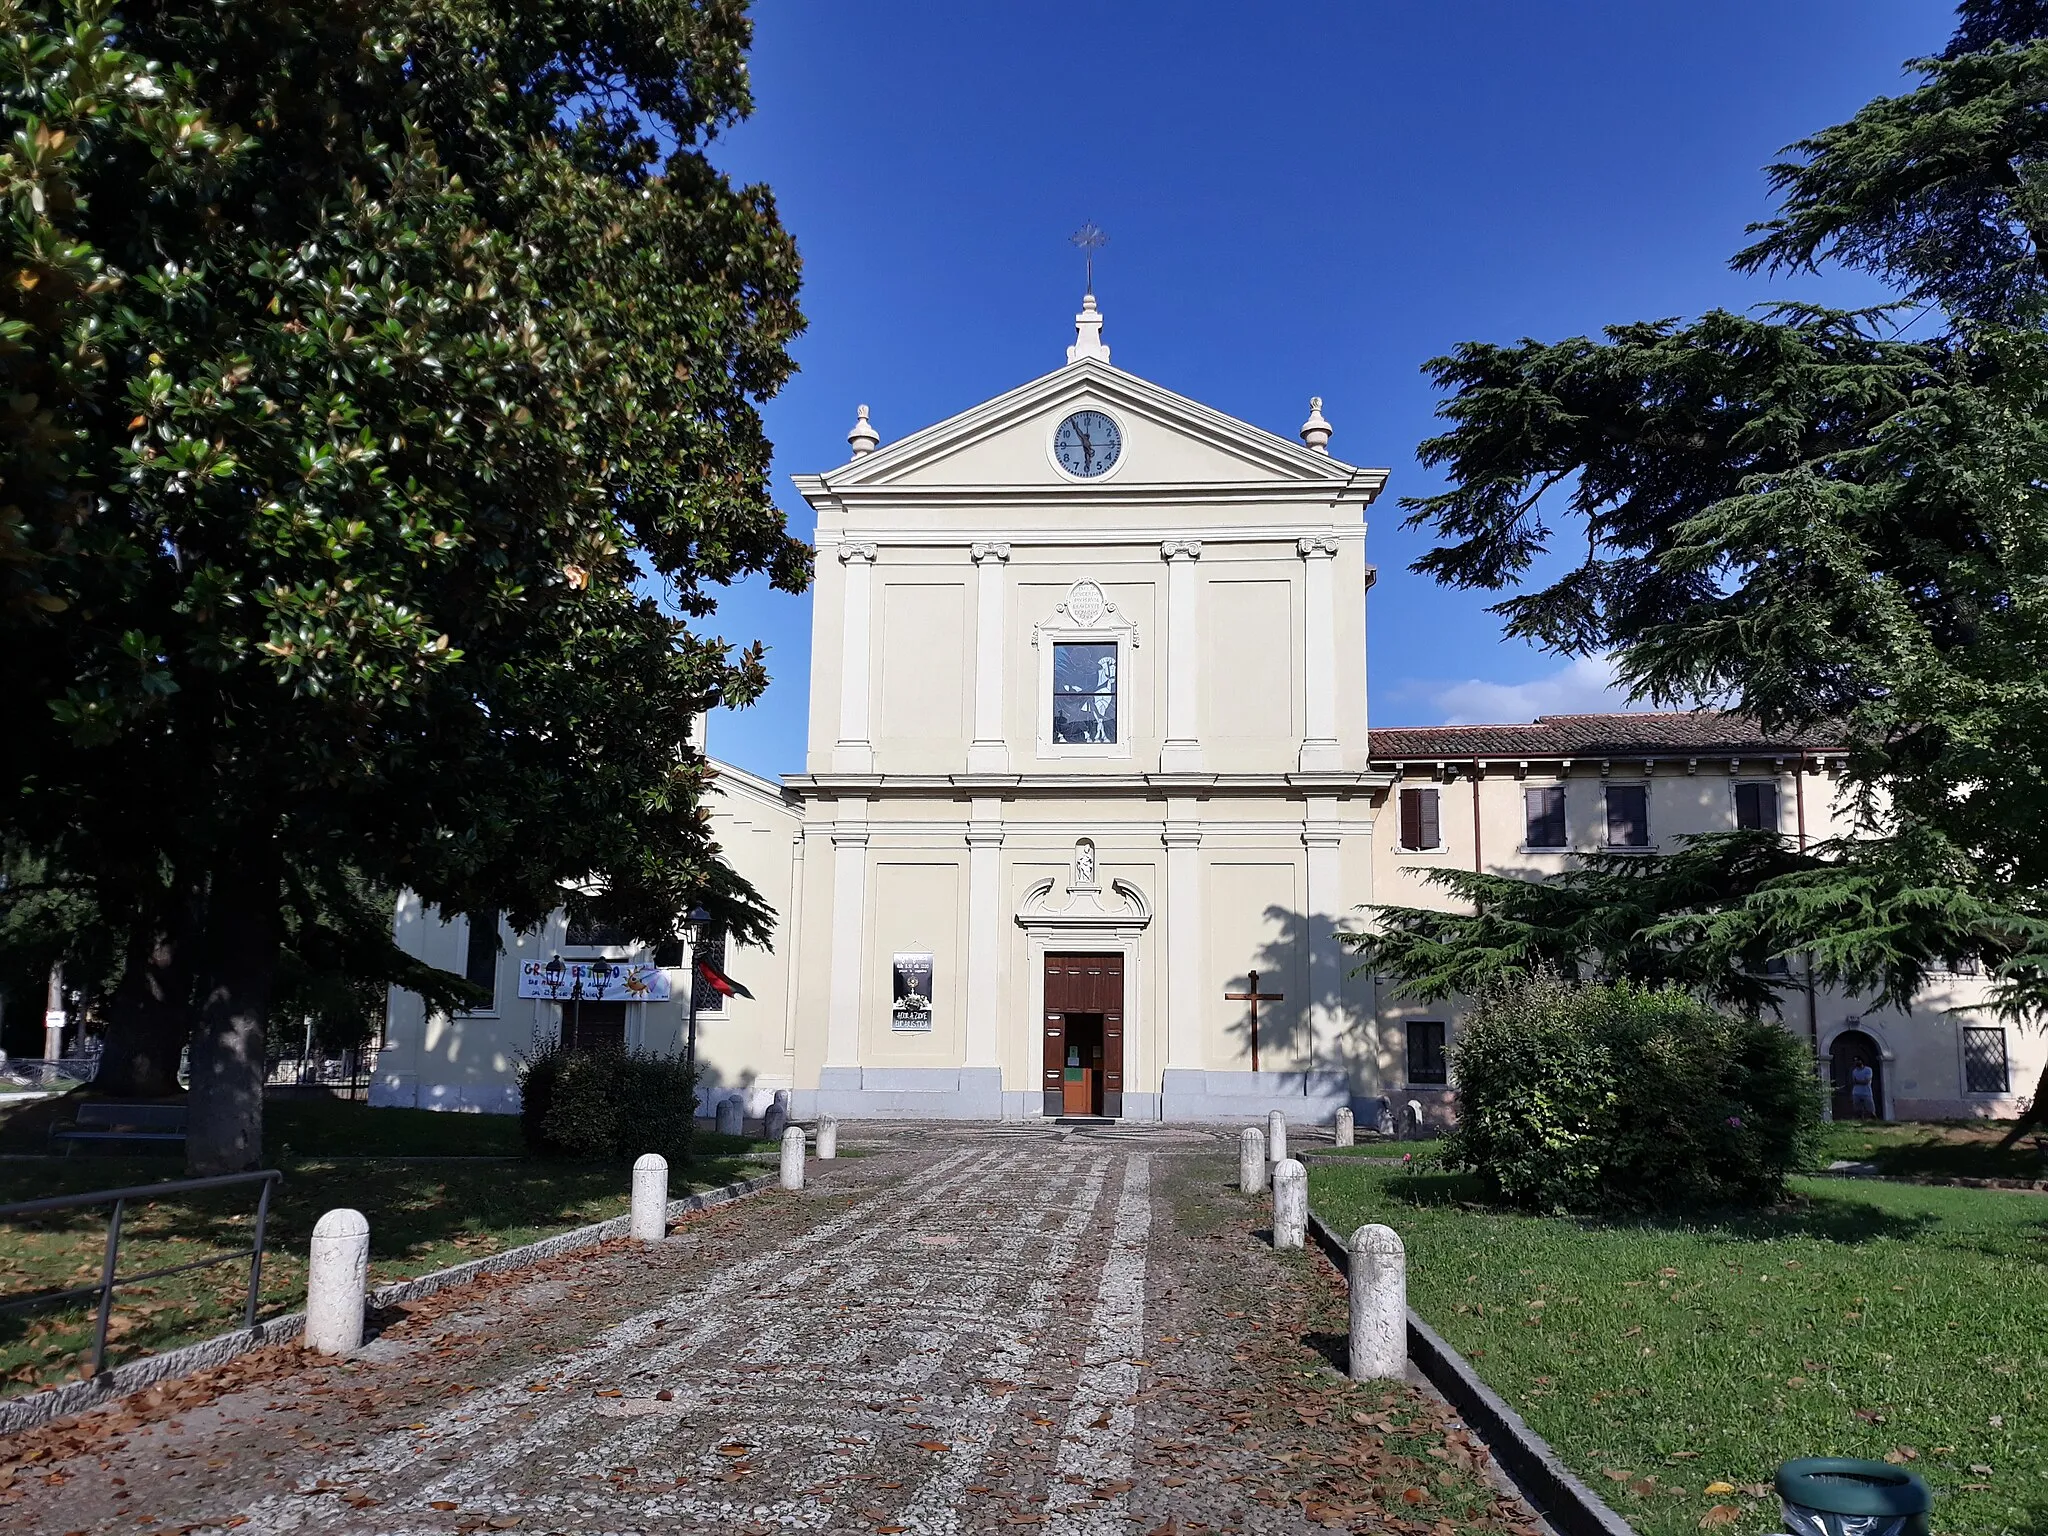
(719, 982)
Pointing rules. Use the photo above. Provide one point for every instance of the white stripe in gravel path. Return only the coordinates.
(1097, 1446)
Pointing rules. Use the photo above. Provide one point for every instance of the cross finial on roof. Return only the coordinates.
(1088, 324)
(1090, 239)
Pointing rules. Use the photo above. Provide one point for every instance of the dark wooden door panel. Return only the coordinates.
(1084, 984)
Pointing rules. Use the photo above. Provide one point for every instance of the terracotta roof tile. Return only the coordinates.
(1706, 732)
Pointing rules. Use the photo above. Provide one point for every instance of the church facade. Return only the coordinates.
(1091, 797)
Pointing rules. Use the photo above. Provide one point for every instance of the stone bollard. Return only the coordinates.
(334, 1282)
(1276, 1136)
(732, 1116)
(1379, 1305)
(776, 1121)
(793, 1158)
(828, 1138)
(1346, 1129)
(649, 1222)
(1415, 1131)
(1290, 1203)
(1251, 1160)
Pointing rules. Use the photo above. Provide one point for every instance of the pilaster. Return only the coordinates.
(849, 908)
(990, 752)
(1182, 750)
(1322, 837)
(1319, 749)
(1182, 836)
(854, 752)
(984, 933)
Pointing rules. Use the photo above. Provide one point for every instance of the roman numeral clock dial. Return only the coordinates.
(1087, 445)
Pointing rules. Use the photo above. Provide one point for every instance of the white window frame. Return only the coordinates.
(1963, 1062)
(496, 1009)
(1086, 620)
(721, 1008)
(1408, 1050)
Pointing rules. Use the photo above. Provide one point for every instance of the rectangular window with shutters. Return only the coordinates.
(480, 958)
(1756, 807)
(1628, 815)
(1419, 827)
(1545, 809)
(1984, 1065)
(1426, 1063)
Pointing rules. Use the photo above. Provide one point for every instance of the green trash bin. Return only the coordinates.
(1839, 1496)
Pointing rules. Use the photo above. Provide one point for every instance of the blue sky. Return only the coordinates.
(1302, 200)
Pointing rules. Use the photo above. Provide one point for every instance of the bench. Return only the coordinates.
(106, 1121)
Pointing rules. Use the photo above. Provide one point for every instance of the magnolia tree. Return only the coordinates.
(383, 389)
(1829, 519)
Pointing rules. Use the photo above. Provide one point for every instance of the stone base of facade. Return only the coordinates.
(400, 1091)
(1306, 1098)
(2004, 1107)
(908, 1093)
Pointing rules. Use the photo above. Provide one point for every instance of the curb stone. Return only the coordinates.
(38, 1408)
(1551, 1487)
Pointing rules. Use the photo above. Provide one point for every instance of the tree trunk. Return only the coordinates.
(224, 1128)
(149, 1017)
(2033, 1116)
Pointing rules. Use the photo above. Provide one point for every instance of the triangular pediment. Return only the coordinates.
(1168, 440)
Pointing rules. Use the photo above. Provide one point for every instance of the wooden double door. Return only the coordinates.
(1084, 1035)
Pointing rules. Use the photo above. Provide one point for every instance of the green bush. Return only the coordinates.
(606, 1103)
(1586, 1098)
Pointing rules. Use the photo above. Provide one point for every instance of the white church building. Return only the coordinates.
(1090, 796)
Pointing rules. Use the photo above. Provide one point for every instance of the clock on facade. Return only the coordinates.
(1087, 444)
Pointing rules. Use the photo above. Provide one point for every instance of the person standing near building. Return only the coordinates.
(1862, 1098)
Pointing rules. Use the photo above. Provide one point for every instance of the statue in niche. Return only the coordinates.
(1084, 864)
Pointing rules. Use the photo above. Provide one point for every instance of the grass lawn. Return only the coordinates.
(423, 1216)
(1664, 1357)
(1947, 1149)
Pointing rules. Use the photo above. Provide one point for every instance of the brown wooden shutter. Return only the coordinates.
(1428, 828)
(1411, 818)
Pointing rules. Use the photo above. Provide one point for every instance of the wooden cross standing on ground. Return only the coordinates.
(1255, 997)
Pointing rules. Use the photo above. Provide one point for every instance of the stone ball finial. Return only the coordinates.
(1316, 431)
(863, 436)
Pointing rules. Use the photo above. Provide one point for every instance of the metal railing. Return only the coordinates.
(41, 1072)
(109, 1281)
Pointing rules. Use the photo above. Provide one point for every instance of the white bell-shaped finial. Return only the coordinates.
(863, 436)
(1316, 431)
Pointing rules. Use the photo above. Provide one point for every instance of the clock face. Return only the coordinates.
(1087, 444)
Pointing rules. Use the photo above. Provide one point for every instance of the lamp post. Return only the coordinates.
(554, 969)
(693, 928)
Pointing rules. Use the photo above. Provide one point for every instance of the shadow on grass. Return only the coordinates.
(1825, 1217)
(1334, 1348)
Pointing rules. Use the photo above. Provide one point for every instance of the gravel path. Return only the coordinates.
(1070, 1331)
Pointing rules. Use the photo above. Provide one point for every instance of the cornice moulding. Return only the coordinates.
(1087, 379)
